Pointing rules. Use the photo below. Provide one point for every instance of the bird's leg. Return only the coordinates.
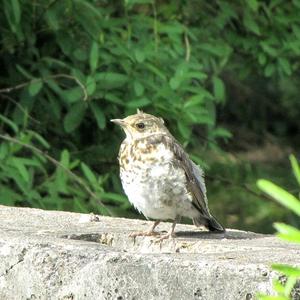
(150, 232)
(171, 233)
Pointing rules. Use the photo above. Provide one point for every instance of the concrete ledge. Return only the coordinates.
(60, 255)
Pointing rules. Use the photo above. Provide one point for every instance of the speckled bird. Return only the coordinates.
(159, 178)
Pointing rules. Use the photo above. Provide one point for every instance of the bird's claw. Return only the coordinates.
(164, 237)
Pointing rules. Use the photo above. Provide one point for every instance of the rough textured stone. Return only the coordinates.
(60, 255)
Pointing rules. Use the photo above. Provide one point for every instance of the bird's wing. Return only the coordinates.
(194, 175)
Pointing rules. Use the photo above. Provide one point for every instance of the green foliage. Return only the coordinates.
(286, 232)
(68, 67)
(25, 181)
(121, 56)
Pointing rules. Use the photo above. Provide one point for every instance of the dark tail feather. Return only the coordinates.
(214, 225)
(210, 223)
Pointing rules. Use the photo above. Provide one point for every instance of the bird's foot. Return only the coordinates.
(149, 232)
(166, 236)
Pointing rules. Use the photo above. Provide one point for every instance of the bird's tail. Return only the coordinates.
(210, 223)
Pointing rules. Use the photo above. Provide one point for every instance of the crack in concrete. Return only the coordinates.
(21, 258)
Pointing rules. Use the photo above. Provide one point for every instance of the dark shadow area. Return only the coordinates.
(102, 238)
(229, 234)
(88, 237)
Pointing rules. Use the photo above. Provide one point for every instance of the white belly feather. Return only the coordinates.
(158, 190)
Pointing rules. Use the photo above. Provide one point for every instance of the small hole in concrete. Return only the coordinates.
(198, 293)
(265, 274)
(249, 296)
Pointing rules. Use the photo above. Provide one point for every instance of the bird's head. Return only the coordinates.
(141, 125)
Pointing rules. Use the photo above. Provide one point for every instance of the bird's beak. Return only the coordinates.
(120, 122)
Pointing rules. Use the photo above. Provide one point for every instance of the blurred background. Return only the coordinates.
(223, 74)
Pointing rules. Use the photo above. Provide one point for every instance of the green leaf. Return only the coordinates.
(54, 104)
(138, 88)
(290, 284)
(253, 4)
(156, 71)
(94, 56)
(94, 11)
(221, 132)
(91, 85)
(219, 88)
(72, 95)
(24, 72)
(52, 19)
(21, 168)
(12, 11)
(250, 23)
(40, 139)
(138, 103)
(98, 114)
(280, 195)
(288, 232)
(16, 10)
(34, 87)
(269, 70)
(196, 100)
(214, 49)
(65, 158)
(18, 179)
(74, 116)
(197, 75)
(80, 54)
(89, 16)
(285, 65)
(28, 161)
(4, 151)
(74, 163)
(115, 197)
(175, 83)
(265, 297)
(88, 173)
(139, 55)
(10, 123)
(295, 167)
(65, 42)
(262, 59)
(9, 197)
(268, 49)
(111, 80)
(80, 206)
(278, 287)
(184, 130)
(113, 99)
(287, 270)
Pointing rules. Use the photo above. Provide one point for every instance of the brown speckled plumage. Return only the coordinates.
(157, 175)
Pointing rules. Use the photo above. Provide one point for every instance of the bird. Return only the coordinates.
(159, 178)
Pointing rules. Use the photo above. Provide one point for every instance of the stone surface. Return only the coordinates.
(61, 255)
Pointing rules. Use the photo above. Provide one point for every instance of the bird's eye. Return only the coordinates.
(140, 125)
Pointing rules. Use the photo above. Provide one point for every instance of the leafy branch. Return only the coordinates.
(57, 164)
(37, 80)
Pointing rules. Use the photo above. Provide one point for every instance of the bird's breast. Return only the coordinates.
(147, 167)
(154, 184)
(142, 155)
